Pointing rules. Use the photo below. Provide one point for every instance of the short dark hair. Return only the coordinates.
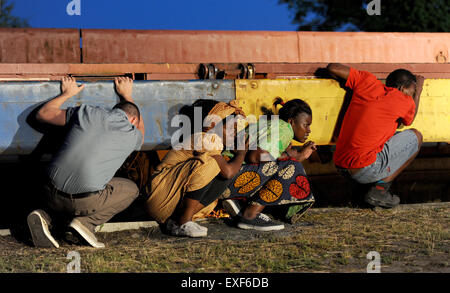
(130, 108)
(399, 78)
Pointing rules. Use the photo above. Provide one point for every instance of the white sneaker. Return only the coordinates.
(232, 207)
(38, 222)
(191, 229)
(87, 235)
(203, 228)
(174, 228)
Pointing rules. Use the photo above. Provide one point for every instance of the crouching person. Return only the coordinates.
(80, 186)
(273, 175)
(194, 174)
(369, 149)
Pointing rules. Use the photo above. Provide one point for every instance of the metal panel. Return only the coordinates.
(97, 69)
(374, 47)
(39, 45)
(158, 101)
(158, 46)
(118, 46)
(380, 70)
(326, 98)
(35, 71)
(47, 72)
(29, 45)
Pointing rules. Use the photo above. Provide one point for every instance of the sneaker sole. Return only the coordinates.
(381, 204)
(197, 235)
(79, 228)
(176, 231)
(259, 228)
(231, 207)
(203, 228)
(39, 232)
(193, 235)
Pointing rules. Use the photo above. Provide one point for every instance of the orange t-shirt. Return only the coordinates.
(370, 120)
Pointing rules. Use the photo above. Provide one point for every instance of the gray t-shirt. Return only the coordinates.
(96, 145)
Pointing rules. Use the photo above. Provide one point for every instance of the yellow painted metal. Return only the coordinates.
(433, 118)
(326, 98)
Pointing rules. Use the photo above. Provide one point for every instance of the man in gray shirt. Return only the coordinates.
(80, 181)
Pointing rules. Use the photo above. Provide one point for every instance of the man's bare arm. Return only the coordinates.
(124, 87)
(338, 71)
(51, 111)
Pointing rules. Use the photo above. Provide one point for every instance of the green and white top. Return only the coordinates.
(263, 135)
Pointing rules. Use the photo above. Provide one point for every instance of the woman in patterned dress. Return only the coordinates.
(273, 174)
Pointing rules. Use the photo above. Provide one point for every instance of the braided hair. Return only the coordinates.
(292, 108)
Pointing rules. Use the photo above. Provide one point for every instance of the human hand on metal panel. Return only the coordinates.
(419, 82)
(124, 87)
(69, 86)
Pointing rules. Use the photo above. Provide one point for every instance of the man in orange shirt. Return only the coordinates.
(369, 150)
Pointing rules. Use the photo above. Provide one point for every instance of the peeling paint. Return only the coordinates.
(157, 100)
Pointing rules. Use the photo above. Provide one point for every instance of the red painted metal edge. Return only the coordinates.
(189, 71)
(32, 45)
(144, 46)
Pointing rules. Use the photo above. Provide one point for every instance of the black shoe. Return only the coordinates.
(262, 222)
(39, 222)
(71, 237)
(381, 197)
(232, 207)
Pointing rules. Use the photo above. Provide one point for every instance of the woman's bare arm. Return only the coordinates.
(231, 168)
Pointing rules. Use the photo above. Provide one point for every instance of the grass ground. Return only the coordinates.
(334, 240)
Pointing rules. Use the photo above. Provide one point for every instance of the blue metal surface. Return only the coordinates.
(158, 101)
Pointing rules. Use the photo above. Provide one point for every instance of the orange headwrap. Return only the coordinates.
(223, 110)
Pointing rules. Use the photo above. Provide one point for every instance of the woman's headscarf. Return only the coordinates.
(223, 110)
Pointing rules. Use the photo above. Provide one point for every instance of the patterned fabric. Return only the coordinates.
(280, 182)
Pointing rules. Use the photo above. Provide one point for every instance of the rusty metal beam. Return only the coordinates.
(147, 46)
(190, 71)
(374, 47)
(56, 71)
(95, 68)
(171, 46)
(39, 45)
(151, 46)
(380, 70)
